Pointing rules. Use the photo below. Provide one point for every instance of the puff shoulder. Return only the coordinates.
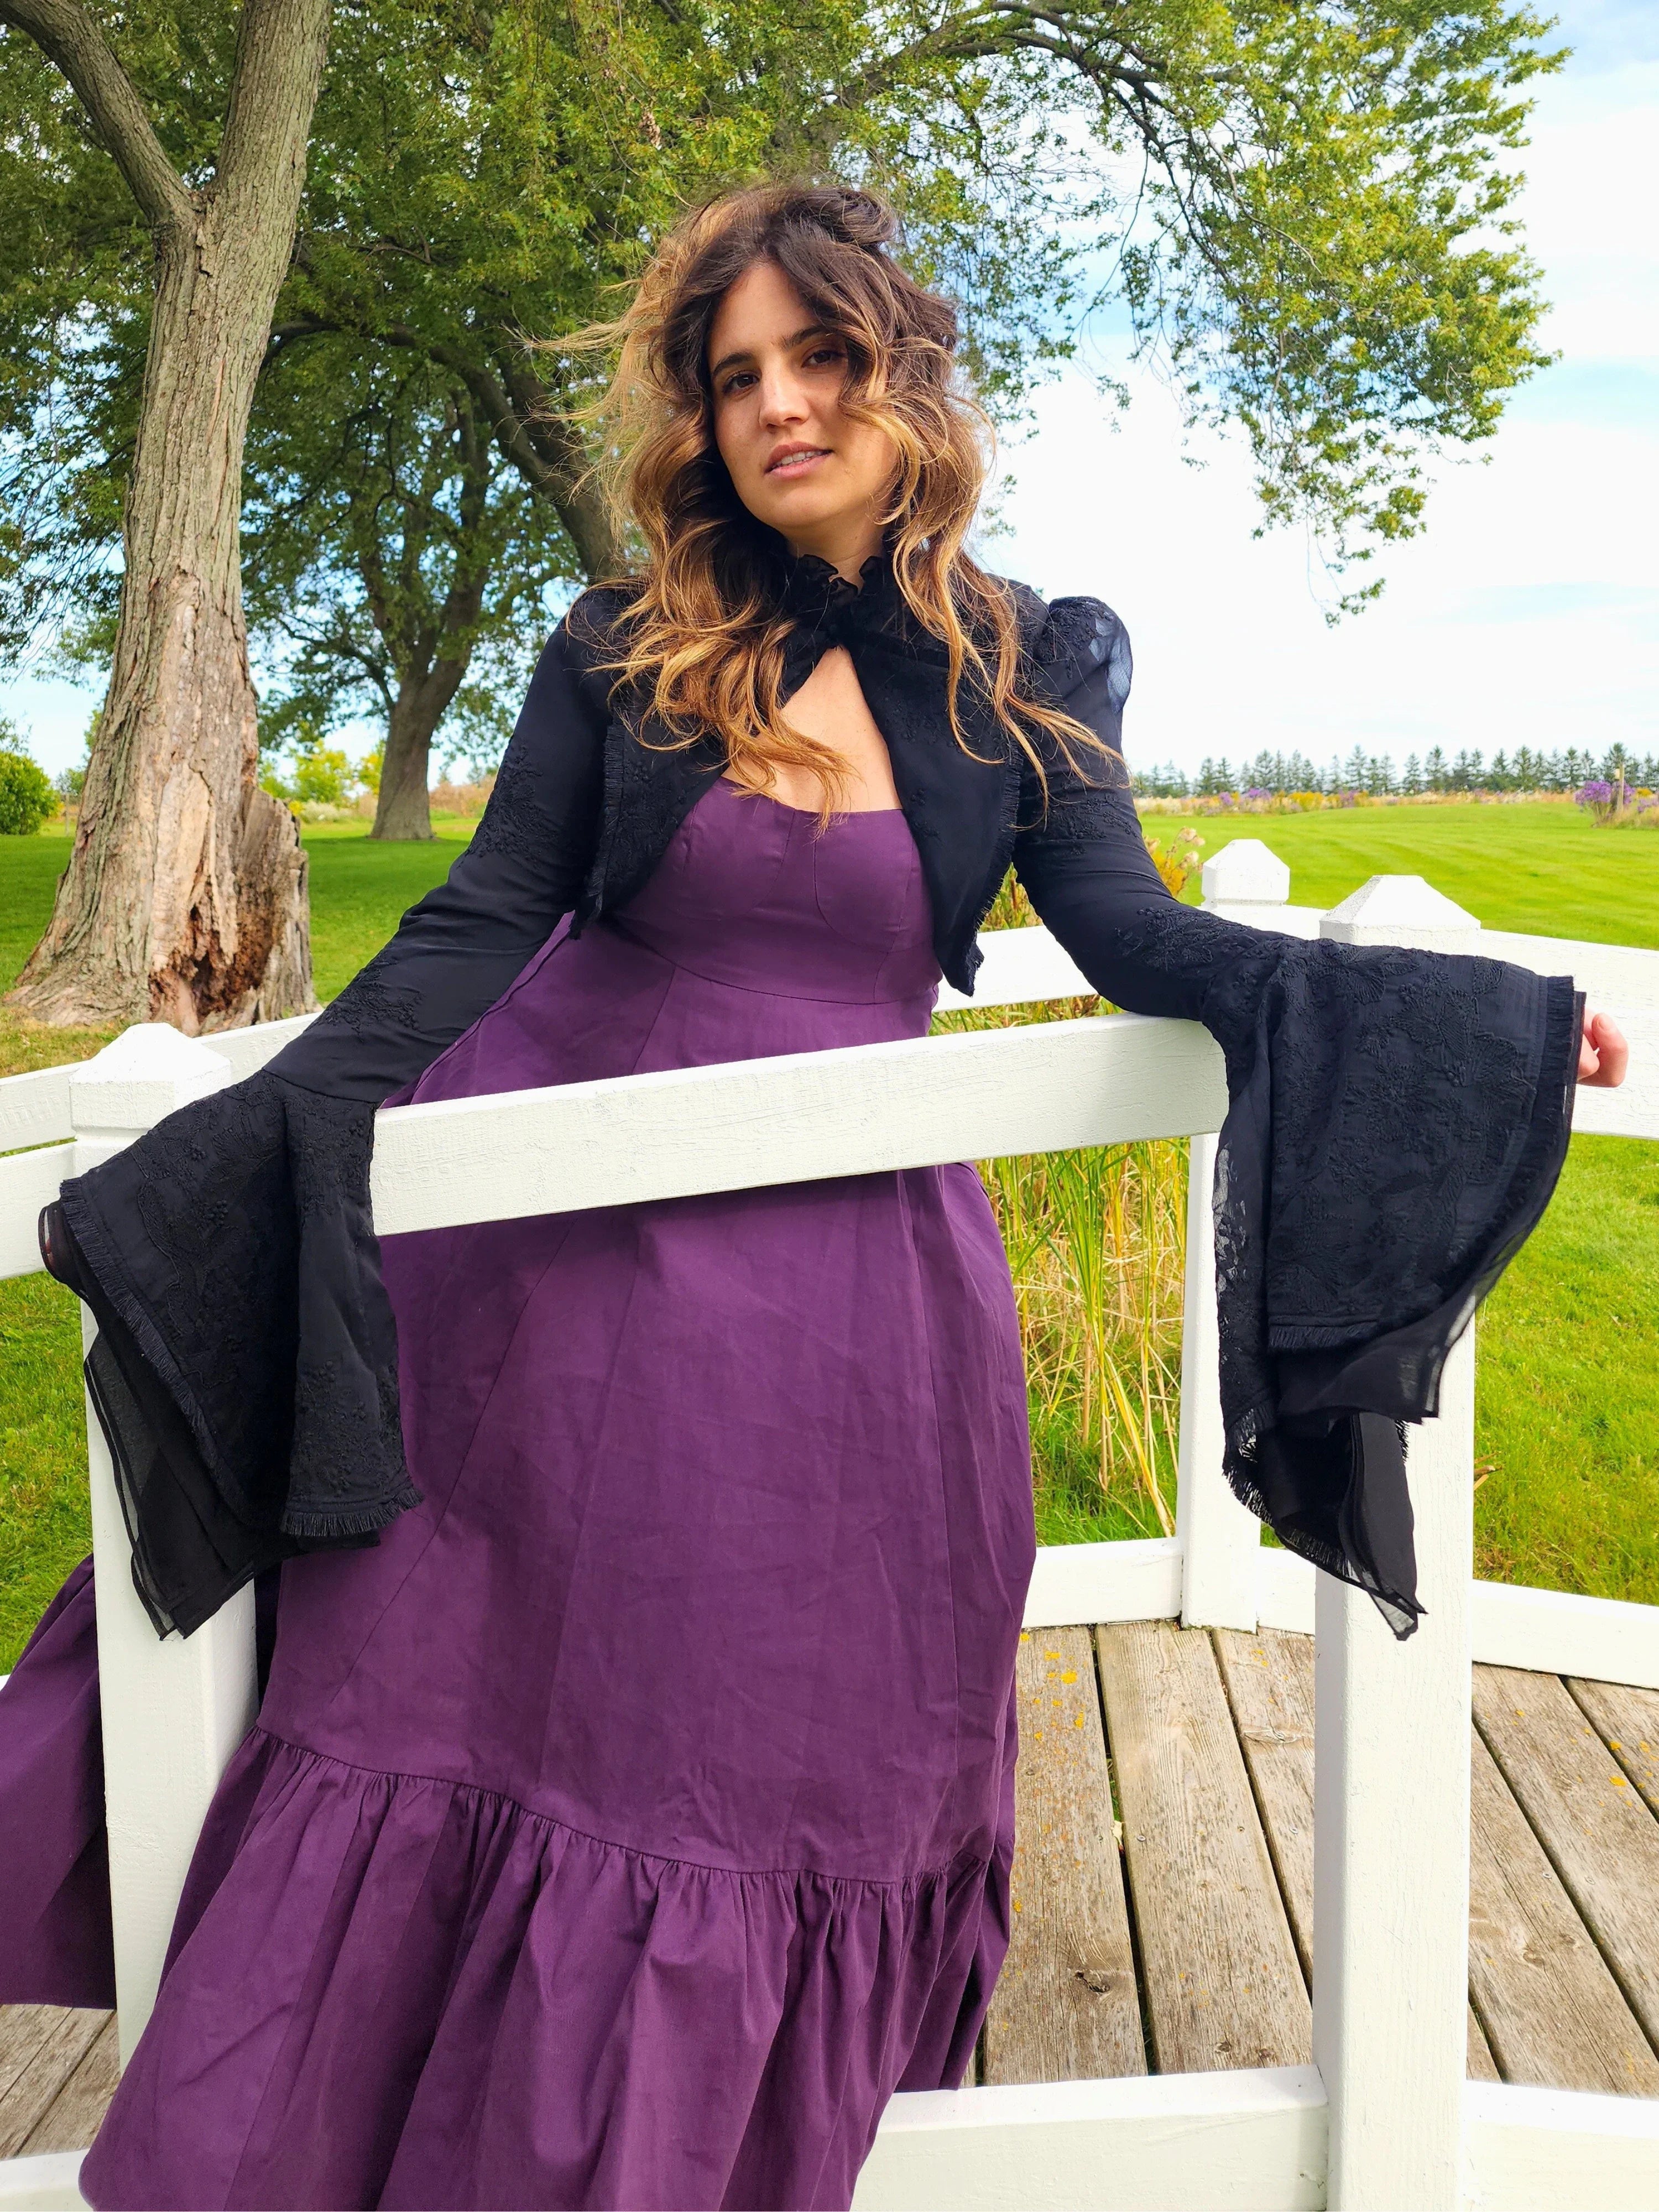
(1080, 637)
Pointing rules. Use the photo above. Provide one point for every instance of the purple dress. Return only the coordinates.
(636, 1818)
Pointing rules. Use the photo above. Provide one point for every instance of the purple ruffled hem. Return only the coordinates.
(386, 1989)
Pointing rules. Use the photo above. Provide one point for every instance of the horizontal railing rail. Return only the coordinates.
(801, 1117)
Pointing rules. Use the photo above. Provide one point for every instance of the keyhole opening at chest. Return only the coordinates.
(830, 709)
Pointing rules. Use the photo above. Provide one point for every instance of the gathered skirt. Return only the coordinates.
(635, 1818)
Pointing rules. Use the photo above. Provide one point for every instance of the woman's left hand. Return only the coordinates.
(1603, 1053)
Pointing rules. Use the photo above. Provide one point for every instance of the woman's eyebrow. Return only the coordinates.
(745, 353)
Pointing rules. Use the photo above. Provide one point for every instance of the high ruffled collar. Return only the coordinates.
(822, 599)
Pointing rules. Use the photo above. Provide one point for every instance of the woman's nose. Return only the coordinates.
(782, 400)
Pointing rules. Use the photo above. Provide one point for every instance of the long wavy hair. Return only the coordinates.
(702, 633)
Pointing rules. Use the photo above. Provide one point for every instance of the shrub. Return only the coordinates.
(1178, 861)
(462, 798)
(322, 775)
(27, 798)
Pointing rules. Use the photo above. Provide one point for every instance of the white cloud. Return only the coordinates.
(1526, 613)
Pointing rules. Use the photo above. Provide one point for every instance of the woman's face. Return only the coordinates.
(798, 462)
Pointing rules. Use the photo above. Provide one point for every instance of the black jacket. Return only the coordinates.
(1397, 1123)
(582, 812)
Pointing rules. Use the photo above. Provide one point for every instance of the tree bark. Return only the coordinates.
(184, 898)
(403, 809)
(431, 658)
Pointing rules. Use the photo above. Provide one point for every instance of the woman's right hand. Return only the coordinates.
(1603, 1052)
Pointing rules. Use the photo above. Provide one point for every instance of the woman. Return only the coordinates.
(634, 1817)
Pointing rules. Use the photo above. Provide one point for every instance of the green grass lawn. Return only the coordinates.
(1567, 1400)
(1543, 868)
(358, 888)
(1567, 1387)
(45, 1526)
(1568, 1415)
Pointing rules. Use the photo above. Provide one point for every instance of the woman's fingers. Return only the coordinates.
(1603, 1052)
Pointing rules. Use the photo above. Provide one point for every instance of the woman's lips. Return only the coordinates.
(797, 462)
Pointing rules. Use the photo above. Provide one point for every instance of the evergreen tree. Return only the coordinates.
(1301, 775)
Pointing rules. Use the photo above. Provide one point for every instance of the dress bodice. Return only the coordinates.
(760, 932)
(760, 896)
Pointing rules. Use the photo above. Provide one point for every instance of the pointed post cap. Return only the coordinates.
(1246, 873)
(142, 1076)
(1401, 911)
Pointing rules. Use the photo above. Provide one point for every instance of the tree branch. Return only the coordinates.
(280, 49)
(73, 43)
(580, 504)
(339, 644)
(545, 451)
(284, 337)
(469, 576)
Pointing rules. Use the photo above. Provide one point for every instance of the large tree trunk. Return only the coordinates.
(430, 678)
(402, 808)
(184, 898)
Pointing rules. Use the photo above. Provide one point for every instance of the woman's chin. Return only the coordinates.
(810, 525)
(801, 507)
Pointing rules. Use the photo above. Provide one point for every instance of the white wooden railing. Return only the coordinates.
(1384, 2118)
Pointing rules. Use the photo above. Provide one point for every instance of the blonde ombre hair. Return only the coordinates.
(702, 635)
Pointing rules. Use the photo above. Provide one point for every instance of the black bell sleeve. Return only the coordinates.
(244, 1371)
(1396, 1125)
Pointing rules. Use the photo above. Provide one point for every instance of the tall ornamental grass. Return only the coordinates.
(1096, 1243)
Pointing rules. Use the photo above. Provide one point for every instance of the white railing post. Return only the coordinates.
(1220, 1540)
(1245, 881)
(1391, 1786)
(172, 1712)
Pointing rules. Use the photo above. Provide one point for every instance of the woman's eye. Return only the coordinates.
(736, 383)
(821, 354)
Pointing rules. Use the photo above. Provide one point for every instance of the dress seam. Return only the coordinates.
(755, 991)
(609, 1843)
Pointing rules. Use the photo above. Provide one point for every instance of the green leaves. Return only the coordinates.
(1304, 204)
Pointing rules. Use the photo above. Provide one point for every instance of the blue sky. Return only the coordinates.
(1526, 613)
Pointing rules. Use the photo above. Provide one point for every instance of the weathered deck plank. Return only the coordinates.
(76, 2113)
(1269, 1681)
(1223, 1985)
(1066, 2007)
(1627, 1721)
(1552, 2011)
(1601, 1839)
(41, 2048)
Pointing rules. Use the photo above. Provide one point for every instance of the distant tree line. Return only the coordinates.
(1379, 777)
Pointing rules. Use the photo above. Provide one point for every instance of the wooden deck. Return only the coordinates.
(1164, 1885)
(57, 2071)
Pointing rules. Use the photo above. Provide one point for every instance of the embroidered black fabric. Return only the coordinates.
(1397, 1119)
(1397, 1123)
(245, 1371)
